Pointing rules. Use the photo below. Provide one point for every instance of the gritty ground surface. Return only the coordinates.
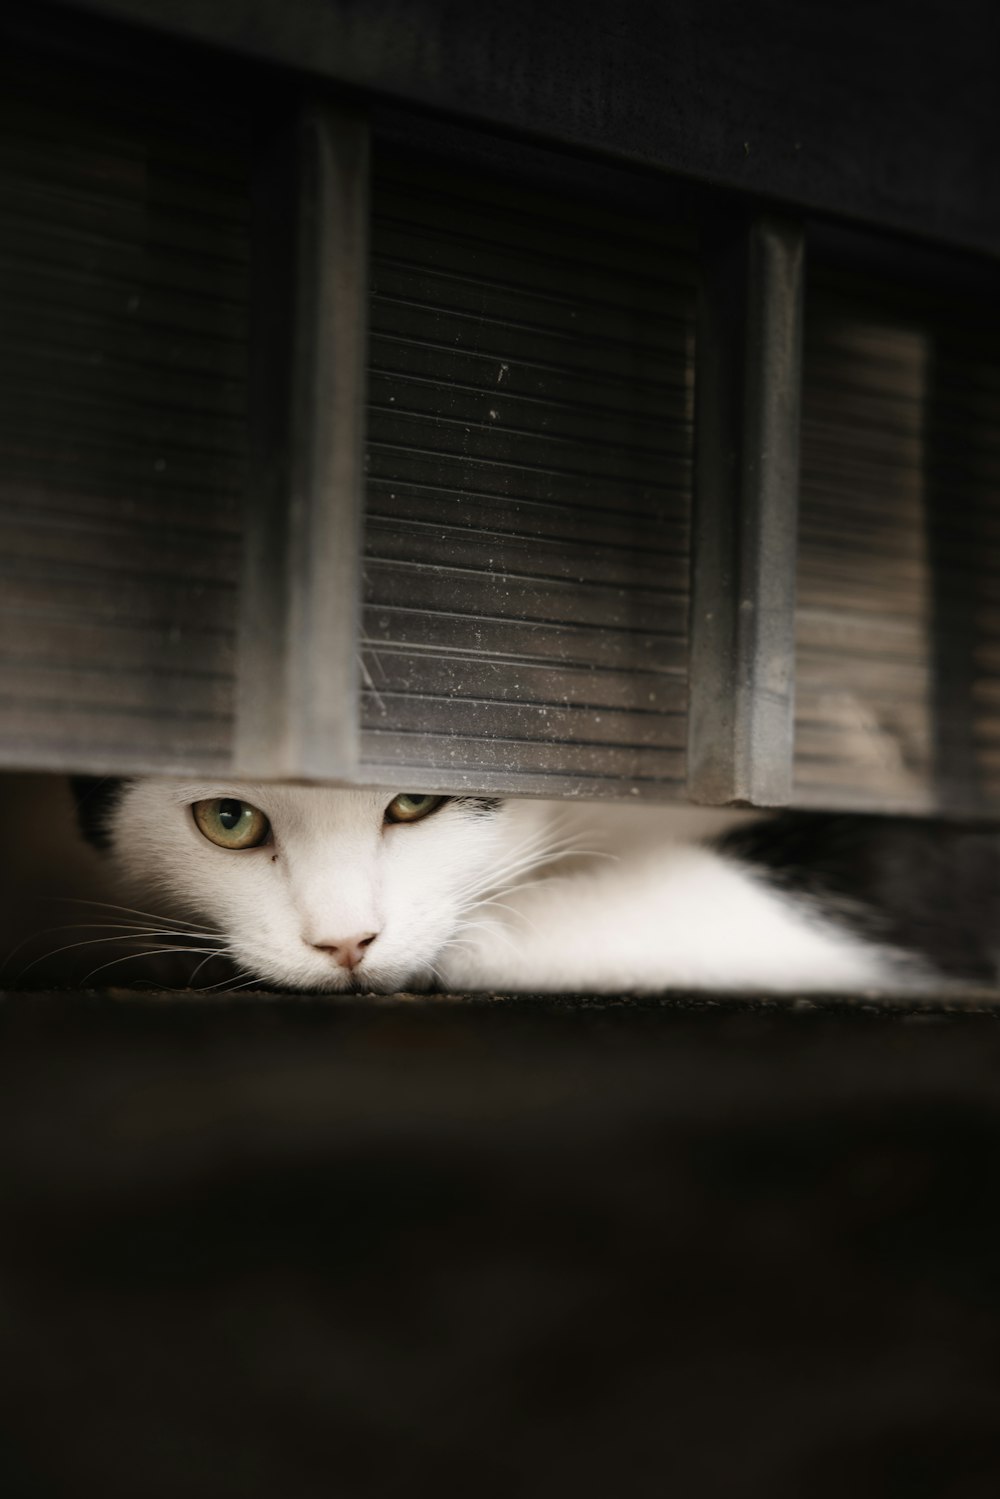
(276, 1246)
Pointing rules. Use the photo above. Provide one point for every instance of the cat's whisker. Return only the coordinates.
(135, 934)
(142, 939)
(124, 930)
(490, 925)
(496, 877)
(220, 952)
(481, 902)
(457, 944)
(547, 841)
(568, 848)
(530, 883)
(109, 926)
(27, 941)
(468, 925)
(152, 917)
(156, 952)
(133, 927)
(467, 933)
(521, 915)
(230, 985)
(494, 880)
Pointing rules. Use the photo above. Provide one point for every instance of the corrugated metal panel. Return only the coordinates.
(528, 489)
(123, 296)
(529, 458)
(530, 434)
(898, 687)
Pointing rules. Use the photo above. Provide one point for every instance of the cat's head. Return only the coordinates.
(310, 888)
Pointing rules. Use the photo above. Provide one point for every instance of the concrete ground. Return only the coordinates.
(264, 1246)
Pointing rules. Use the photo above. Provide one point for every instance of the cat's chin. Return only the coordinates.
(350, 983)
(394, 983)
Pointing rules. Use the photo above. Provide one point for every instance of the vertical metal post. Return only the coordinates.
(746, 498)
(297, 697)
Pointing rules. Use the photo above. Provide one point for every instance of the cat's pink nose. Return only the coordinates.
(347, 952)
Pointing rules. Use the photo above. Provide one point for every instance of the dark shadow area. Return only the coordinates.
(290, 1248)
(962, 468)
(66, 921)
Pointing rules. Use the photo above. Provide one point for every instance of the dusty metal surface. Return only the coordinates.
(530, 433)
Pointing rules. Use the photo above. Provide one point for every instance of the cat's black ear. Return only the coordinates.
(96, 798)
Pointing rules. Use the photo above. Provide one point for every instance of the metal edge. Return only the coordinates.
(297, 714)
(748, 399)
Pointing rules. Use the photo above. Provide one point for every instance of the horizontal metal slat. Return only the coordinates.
(562, 643)
(412, 345)
(437, 674)
(487, 595)
(445, 756)
(415, 543)
(533, 723)
(658, 529)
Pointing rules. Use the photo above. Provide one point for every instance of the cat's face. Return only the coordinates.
(314, 888)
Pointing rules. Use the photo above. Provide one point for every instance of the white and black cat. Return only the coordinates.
(334, 890)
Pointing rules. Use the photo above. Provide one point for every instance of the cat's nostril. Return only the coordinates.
(347, 952)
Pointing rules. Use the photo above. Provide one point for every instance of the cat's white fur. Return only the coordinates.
(535, 896)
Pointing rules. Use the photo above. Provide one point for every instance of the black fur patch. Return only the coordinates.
(931, 888)
(479, 806)
(96, 798)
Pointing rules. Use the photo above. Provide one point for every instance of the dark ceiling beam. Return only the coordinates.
(881, 113)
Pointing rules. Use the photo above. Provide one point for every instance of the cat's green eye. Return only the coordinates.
(408, 808)
(230, 823)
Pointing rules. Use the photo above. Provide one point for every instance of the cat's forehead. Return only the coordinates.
(296, 808)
